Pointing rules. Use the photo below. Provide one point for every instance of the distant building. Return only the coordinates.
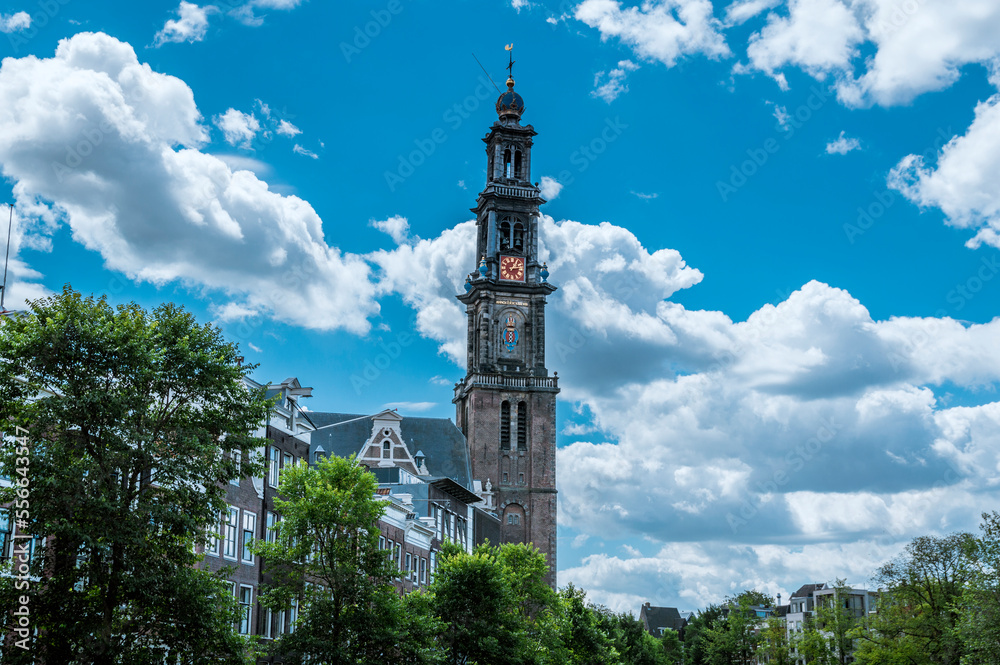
(656, 620)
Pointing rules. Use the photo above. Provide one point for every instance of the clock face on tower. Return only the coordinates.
(512, 268)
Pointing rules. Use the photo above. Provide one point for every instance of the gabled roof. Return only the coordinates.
(442, 443)
(655, 618)
(807, 590)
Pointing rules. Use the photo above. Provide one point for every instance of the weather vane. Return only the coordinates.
(510, 67)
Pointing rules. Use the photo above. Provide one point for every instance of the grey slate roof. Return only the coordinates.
(441, 442)
(806, 590)
(661, 617)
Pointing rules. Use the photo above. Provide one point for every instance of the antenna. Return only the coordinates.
(487, 73)
(3, 289)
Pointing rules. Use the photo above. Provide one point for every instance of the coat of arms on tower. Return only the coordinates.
(510, 333)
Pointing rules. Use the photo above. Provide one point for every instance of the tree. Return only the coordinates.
(732, 639)
(325, 554)
(473, 596)
(673, 648)
(585, 639)
(919, 605)
(774, 644)
(132, 421)
(979, 621)
(695, 646)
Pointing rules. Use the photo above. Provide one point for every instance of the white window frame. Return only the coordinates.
(270, 534)
(273, 471)
(231, 527)
(423, 570)
(249, 526)
(246, 610)
(239, 468)
(288, 462)
(212, 546)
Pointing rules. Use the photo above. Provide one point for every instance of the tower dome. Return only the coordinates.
(510, 104)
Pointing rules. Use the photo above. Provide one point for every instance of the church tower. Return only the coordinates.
(506, 406)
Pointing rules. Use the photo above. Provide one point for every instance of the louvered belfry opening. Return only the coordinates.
(505, 425)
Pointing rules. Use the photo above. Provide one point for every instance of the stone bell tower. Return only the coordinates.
(506, 405)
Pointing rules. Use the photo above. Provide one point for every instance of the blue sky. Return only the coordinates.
(774, 226)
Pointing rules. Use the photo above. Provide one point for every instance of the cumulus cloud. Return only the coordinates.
(191, 25)
(609, 85)
(660, 30)
(842, 145)
(102, 143)
(238, 128)
(398, 228)
(820, 36)
(550, 188)
(808, 428)
(15, 22)
(963, 182)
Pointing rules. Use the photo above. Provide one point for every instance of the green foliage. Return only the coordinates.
(325, 553)
(919, 607)
(673, 648)
(732, 639)
(695, 640)
(979, 607)
(774, 644)
(132, 420)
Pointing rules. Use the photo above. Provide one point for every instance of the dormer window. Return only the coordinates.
(386, 449)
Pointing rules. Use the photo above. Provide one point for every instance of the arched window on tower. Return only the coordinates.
(505, 234)
(519, 237)
(522, 425)
(386, 449)
(517, 165)
(506, 163)
(505, 425)
(489, 170)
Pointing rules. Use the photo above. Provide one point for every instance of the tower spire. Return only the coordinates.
(510, 66)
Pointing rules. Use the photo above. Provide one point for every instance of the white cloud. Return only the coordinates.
(15, 22)
(842, 145)
(412, 407)
(820, 36)
(518, 5)
(135, 187)
(238, 128)
(613, 82)
(550, 188)
(305, 152)
(743, 10)
(738, 436)
(661, 30)
(397, 227)
(963, 183)
(245, 13)
(645, 197)
(921, 46)
(286, 128)
(190, 27)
